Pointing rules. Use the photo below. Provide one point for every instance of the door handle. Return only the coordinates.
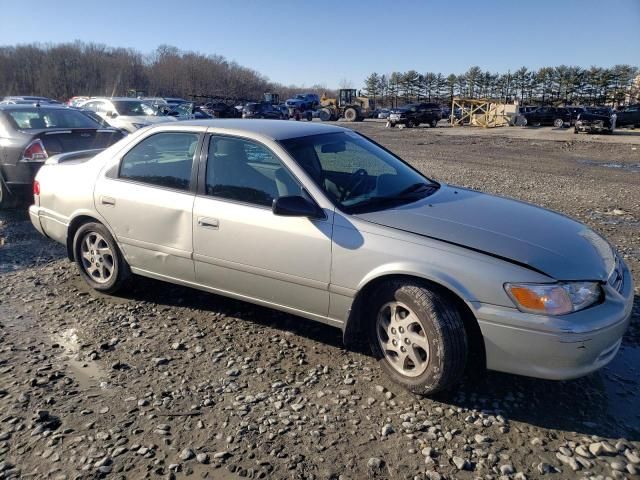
(209, 223)
(108, 201)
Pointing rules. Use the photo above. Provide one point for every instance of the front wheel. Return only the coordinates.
(99, 259)
(350, 114)
(418, 336)
(434, 123)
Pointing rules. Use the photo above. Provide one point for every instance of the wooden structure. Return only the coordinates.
(482, 113)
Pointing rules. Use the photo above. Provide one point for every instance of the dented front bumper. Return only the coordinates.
(556, 348)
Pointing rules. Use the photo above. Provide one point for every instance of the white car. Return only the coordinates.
(129, 114)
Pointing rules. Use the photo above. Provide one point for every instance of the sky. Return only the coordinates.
(331, 42)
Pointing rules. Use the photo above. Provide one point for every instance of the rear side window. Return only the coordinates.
(163, 159)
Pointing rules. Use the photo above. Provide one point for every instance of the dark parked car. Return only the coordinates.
(30, 134)
(556, 116)
(261, 110)
(628, 116)
(188, 111)
(414, 114)
(593, 122)
(219, 110)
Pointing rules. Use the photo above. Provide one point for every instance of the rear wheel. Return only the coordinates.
(350, 114)
(558, 123)
(434, 123)
(99, 259)
(418, 336)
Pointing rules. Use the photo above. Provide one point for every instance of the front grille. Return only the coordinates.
(616, 279)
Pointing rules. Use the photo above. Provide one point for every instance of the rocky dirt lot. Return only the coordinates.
(168, 382)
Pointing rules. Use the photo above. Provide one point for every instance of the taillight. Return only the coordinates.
(34, 152)
(36, 187)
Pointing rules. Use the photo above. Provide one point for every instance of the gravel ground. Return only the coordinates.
(168, 382)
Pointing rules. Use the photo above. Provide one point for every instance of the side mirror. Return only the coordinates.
(112, 114)
(296, 206)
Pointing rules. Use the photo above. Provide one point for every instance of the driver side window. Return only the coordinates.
(246, 171)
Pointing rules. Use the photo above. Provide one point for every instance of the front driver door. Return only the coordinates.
(241, 247)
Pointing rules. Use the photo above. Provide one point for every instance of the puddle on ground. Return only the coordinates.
(629, 167)
(622, 386)
(87, 372)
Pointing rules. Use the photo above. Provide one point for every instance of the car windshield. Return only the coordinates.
(41, 118)
(356, 174)
(133, 108)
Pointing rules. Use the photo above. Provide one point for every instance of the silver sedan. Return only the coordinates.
(321, 222)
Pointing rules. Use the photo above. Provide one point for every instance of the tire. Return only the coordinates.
(325, 114)
(410, 123)
(436, 325)
(106, 271)
(350, 114)
(434, 123)
(7, 200)
(558, 123)
(575, 130)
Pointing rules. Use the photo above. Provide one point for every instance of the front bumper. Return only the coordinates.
(592, 127)
(556, 348)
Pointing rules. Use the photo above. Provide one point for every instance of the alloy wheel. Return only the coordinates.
(402, 339)
(97, 257)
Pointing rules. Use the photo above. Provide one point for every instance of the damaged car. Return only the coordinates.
(594, 121)
(323, 223)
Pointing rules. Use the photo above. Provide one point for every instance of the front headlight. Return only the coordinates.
(553, 298)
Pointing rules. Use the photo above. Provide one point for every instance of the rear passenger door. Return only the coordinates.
(147, 197)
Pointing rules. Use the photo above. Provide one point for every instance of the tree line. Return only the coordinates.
(89, 69)
(567, 85)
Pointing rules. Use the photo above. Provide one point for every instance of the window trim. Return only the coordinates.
(194, 171)
(202, 173)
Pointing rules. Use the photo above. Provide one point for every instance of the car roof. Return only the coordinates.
(27, 106)
(121, 99)
(273, 129)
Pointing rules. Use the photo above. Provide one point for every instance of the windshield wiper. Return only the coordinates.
(417, 188)
(389, 200)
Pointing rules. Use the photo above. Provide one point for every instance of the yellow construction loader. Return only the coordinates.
(349, 105)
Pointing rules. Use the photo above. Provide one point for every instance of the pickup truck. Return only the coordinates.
(413, 114)
(628, 116)
(303, 101)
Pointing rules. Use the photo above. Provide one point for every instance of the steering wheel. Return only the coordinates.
(359, 176)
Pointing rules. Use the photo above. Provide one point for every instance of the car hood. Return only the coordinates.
(543, 240)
